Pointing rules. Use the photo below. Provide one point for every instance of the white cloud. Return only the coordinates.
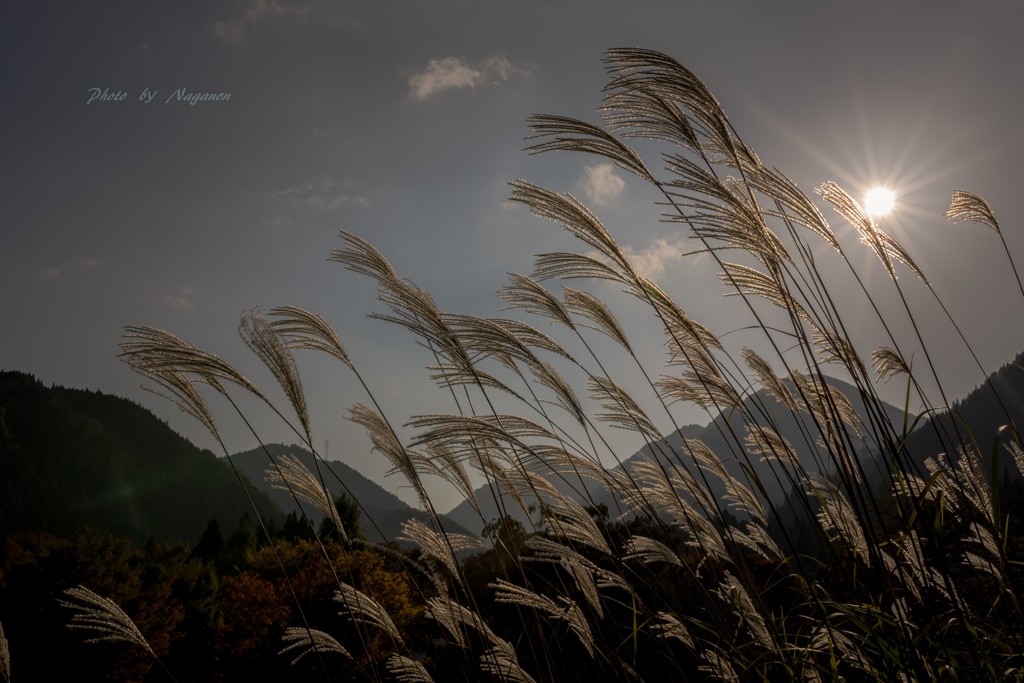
(325, 195)
(450, 73)
(652, 261)
(600, 183)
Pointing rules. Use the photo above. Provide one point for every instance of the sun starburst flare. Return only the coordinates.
(879, 201)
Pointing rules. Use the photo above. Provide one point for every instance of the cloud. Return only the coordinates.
(652, 261)
(324, 195)
(600, 182)
(450, 73)
(179, 302)
(252, 17)
(255, 13)
(89, 263)
(50, 273)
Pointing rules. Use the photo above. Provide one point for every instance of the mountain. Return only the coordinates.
(382, 512)
(980, 417)
(721, 434)
(717, 435)
(72, 458)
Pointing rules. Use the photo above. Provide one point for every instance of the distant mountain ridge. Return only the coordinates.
(382, 512)
(765, 410)
(72, 457)
(714, 434)
(981, 417)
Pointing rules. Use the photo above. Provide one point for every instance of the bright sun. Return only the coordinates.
(879, 201)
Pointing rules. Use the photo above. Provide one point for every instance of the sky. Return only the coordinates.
(404, 122)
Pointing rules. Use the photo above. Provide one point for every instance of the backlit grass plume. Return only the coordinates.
(102, 618)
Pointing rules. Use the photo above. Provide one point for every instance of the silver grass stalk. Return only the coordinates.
(579, 568)
(527, 294)
(569, 612)
(565, 134)
(718, 667)
(549, 459)
(769, 380)
(5, 658)
(837, 517)
(940, 473)
(304, 641)
(445, 464)
(548, 377)
(1018, 455)
(668, 626)
(620, 409)
(668, 489)
(569, 265)
(827, 638)
(709, 390)
(735, 593)
(102, 617)
(264, 341)
(909, 485)
(887, 364)
(748, 280)
(503, 664)
(578, 220)
(847, 207)
(649, 551)
(757, 539)
(151, 351)
(182, 391)
(688, 337)
(302, 329)
(832, 347)
(722, 209)
(386, 442)
(292, 476)
(569, 519)
(736, 493)
(770, 445)
(455, 618)
(976, 487)
(967, 206)
(984, 538)
(407, 670)
(439, 548)
(363, 609)
(799, 207)
(590, 308)
(984, 564)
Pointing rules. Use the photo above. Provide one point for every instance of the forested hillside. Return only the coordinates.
(73, 458)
